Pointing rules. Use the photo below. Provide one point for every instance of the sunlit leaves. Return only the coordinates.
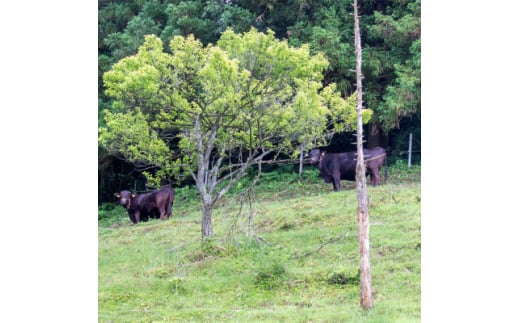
(282, 91)
(129, 135)
(250, 92)
(137, 79)
(221, 82)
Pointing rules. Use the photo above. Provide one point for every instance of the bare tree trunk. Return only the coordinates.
(207, 208)
(361, 184)
(202, 179)
(208, 170)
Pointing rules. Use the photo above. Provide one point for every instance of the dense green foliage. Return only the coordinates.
(390, 39)
(303, 267)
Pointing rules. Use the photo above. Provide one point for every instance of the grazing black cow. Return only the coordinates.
(337, 166)
(156, 204)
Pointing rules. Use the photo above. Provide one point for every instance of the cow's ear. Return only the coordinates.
(323, 153)
(117, 195)
(133, 195)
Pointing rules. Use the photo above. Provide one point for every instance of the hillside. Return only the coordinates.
(301, 265)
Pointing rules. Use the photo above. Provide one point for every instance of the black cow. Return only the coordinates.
(337, 166)
(156, 204)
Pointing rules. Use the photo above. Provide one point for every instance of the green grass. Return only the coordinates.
(303, 269)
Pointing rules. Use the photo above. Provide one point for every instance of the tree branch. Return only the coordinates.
(239, 174)
(321, 246)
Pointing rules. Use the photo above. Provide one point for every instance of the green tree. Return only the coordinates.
(206, 20)
(393, 63)
(228, 105)
(328, 27)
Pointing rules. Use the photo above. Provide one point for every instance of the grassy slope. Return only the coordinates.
(160, 271)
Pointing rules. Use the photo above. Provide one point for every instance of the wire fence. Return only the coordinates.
(412, 157)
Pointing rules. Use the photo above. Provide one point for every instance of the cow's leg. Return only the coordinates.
(168, 210)
(162, 213)
(336, 183)
(374, 175)
(132, 218)
(171, 197)
(137, 216)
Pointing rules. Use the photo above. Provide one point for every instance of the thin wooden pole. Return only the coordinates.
(300, 171)
(365, 274)
(410, 151)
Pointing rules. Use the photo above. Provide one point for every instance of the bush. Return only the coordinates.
(270, 276)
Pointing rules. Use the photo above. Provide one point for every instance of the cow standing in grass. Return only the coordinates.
(140, 207)
(337, 166)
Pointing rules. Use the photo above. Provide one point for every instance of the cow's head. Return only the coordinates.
(315, 156)
(125, 197)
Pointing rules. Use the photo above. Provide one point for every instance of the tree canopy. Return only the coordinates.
(213, 111)
(390, 32)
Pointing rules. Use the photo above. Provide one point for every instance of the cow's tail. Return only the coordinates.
(386, 168)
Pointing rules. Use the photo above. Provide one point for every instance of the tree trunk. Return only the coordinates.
(207, 227)
(361, 183)
(202, 177)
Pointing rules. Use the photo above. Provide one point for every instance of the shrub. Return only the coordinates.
(270, 276)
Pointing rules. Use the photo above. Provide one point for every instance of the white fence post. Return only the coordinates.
(300, 171)
(410, 151)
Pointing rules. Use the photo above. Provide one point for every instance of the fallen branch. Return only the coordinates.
(260, 239)
(321, 246)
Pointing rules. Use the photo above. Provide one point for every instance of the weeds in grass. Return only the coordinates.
(343, 279)
(161, 271)
(177, 286)
(270, 276)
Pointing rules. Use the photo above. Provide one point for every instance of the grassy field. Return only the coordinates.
(298, 263)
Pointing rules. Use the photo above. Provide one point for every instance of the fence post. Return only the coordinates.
(300, 171)
(410, 151)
